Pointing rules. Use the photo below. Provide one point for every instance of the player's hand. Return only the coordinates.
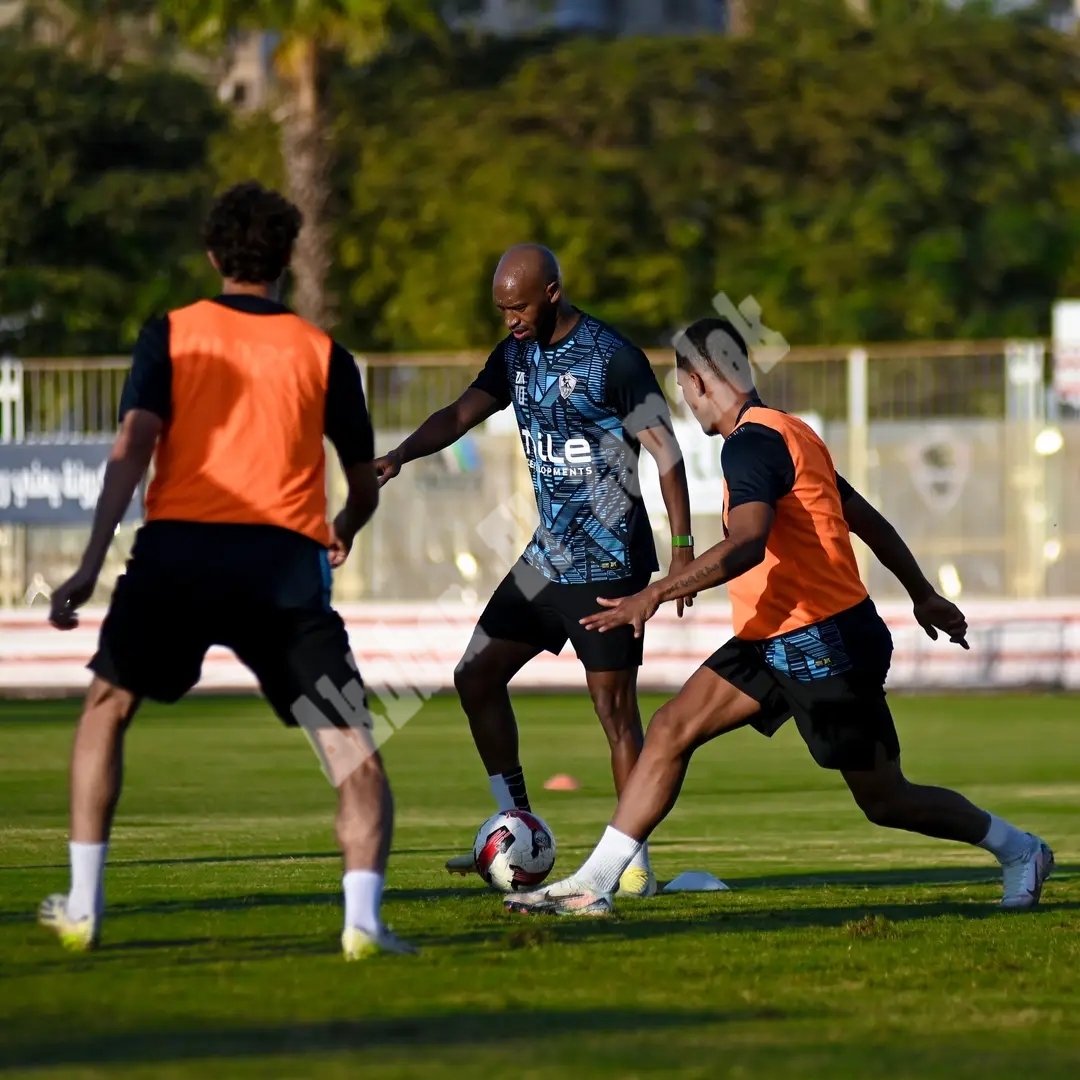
(69, 597)
(387, 467)
(633, 611)
(936, 613)
(341, 541)
(681, 558)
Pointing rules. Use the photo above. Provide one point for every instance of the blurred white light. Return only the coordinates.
(1049, 441)
(467, 565)
(1052, 550)
(949, 580)
(1037, 512)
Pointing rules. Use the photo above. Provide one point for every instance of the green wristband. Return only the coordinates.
(682, 541)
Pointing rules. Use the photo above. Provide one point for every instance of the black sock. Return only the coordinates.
(515, 783)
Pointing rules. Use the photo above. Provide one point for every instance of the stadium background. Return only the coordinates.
(868, 172)
(962, 444)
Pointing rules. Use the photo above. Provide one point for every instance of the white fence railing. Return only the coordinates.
(954, 441)
(413, 649)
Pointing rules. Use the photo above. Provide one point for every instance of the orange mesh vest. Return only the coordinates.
(244, 445)
(809, 572)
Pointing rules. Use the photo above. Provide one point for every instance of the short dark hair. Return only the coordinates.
(716, 344)
(251, 231)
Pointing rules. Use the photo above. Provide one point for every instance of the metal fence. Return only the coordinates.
(957, 442)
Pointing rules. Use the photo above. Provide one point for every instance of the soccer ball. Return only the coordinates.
(514, 851)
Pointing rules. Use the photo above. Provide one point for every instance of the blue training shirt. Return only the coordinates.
(580, 405)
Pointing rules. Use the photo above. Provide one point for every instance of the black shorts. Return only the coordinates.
(263, 593)
(830, 677)
(533, 610)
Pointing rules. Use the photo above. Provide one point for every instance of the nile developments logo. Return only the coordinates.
(567, 382)
(573, 458)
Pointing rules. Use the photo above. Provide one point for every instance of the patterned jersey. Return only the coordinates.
(580, 405)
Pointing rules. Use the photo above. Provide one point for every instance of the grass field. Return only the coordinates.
(841, 951)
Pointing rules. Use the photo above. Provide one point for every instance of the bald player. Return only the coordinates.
(808, 641)
(586, 401)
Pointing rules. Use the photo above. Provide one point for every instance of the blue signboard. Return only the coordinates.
(54, 484)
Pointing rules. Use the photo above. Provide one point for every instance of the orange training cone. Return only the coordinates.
(561, 782)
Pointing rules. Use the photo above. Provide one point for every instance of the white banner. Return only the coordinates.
(1013, 644)
(1066, 336)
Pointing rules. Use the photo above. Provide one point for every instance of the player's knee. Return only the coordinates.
(107, 704)
(618, 715)
(471, 684)
(671, 729)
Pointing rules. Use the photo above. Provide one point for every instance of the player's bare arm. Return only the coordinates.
(661, 443)
(128, 462)
(741, 550)
(932, 611)
(440, 430)
(360, 505)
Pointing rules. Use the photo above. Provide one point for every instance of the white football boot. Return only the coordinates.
(358, 944)
(1024, 877)
(76, 935)
(567, 897)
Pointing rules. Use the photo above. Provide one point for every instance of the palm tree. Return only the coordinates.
(308, 33)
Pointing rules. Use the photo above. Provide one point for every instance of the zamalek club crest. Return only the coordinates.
(567, 382)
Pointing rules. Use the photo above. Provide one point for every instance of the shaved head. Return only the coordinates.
(528, 266)
(528, 291)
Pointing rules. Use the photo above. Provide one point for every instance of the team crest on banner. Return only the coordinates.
(939, 465)
(567, 382)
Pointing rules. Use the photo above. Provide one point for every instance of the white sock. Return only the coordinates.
(641, 860)
(500, 792)
(363, 896)
(1005, 841)
(603, 868)
(508, 790)
(87, 896)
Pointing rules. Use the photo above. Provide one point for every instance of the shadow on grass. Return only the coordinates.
(210, 860)
(866, 878)
(585, 930)
(931, 875)
(452, 1029)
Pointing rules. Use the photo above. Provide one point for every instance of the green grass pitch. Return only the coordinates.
(842, 951)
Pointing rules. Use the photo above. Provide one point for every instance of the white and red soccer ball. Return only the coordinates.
(514, 851)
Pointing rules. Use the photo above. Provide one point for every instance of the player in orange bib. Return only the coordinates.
(230, 398)
(808, 641)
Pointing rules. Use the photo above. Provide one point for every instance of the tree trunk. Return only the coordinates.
(740, 18)
(307, 167)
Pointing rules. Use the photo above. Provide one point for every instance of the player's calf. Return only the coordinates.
(888, 799)
(365, 819)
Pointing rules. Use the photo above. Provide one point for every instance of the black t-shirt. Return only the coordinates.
(758, 467)
(347, 424)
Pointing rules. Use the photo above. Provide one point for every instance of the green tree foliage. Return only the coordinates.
(865, 178)
(103, 186)
(310, 34)
(862, 181)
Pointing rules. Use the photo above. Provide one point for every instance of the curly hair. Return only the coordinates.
(251, 231)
